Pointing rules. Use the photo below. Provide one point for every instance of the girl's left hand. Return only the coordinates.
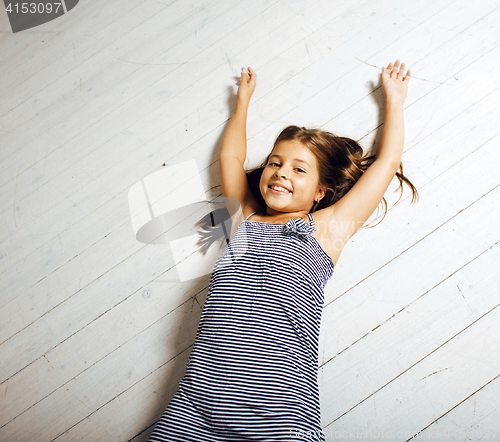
(395, 81)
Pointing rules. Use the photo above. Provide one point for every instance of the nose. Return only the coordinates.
(280, 173)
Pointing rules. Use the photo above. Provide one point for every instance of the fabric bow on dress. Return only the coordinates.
(298, 227)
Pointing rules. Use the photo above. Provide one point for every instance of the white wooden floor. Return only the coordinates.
(95, 332)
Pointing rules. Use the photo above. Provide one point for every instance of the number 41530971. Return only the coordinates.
(33, 8)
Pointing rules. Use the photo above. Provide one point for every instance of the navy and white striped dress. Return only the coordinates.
(252, 372)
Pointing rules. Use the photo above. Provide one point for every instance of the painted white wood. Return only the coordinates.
(422, 394)
(144, 400)
(9, 42)
(13, 343)
(101, 77)
(474, 419)
(87, 323)
(82, 177)
(49, 55)
(406, 224)
(126, 366)
(407, 338)
(415, 271)
(78, 119)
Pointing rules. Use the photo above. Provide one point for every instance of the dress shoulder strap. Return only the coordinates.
(310, 218)
(253, 213)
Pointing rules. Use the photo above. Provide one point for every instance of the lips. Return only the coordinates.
(279, 188)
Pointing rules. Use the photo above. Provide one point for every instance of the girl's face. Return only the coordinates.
(290, 180)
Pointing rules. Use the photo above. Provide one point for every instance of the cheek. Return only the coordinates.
(263, 180)
(267, 173)
(309, 187)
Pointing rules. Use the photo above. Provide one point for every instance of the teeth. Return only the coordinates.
(281, 189)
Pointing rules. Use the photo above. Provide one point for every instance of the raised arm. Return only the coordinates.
(395, 88)
(346, 216)
(234, 148)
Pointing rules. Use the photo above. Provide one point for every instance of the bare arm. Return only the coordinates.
(347, 215)
(233, 150)
(234, 141)
(395, 88)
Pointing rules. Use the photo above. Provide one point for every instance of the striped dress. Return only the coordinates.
(252, 372)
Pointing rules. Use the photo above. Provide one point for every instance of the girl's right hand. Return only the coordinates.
(247, 85)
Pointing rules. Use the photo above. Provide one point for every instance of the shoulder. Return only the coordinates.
(251, 208)
(331, 232)
(241, 213)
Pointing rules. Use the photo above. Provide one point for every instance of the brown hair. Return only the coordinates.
(341, 163)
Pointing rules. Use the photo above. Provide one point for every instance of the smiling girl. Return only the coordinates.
(252, 372)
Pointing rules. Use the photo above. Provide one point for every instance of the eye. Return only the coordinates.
(301, 170)
(273, 164)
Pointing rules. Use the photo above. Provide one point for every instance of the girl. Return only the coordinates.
(252, 372)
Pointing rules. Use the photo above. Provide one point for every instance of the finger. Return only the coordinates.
(395, 69)
(244, 76)
(401, 71)
(253, 75)
(386, 71)
(407, 76)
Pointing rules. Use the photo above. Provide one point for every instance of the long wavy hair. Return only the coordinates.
(341, 162)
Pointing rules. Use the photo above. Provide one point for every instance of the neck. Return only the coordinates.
(288, 215)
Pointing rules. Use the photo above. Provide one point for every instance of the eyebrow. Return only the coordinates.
(295, 159)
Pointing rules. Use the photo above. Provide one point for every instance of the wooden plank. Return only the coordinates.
(46, 428)
(157, 305)
(416, 269)
(407, 338)
(168, 71)
(444, 303)
(439, 151)
(448, 375)
(346, 110)
(10, 47)
(98, 165)
(50, 53)
(145, 401)
(123, 49)
(474, 419)
(60, 165)
(174, 334)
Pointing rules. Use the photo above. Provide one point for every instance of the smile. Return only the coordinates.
(278, 190)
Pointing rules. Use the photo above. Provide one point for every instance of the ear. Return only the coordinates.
(320, 193)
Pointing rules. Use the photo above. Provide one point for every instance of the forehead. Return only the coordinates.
(291, 149)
